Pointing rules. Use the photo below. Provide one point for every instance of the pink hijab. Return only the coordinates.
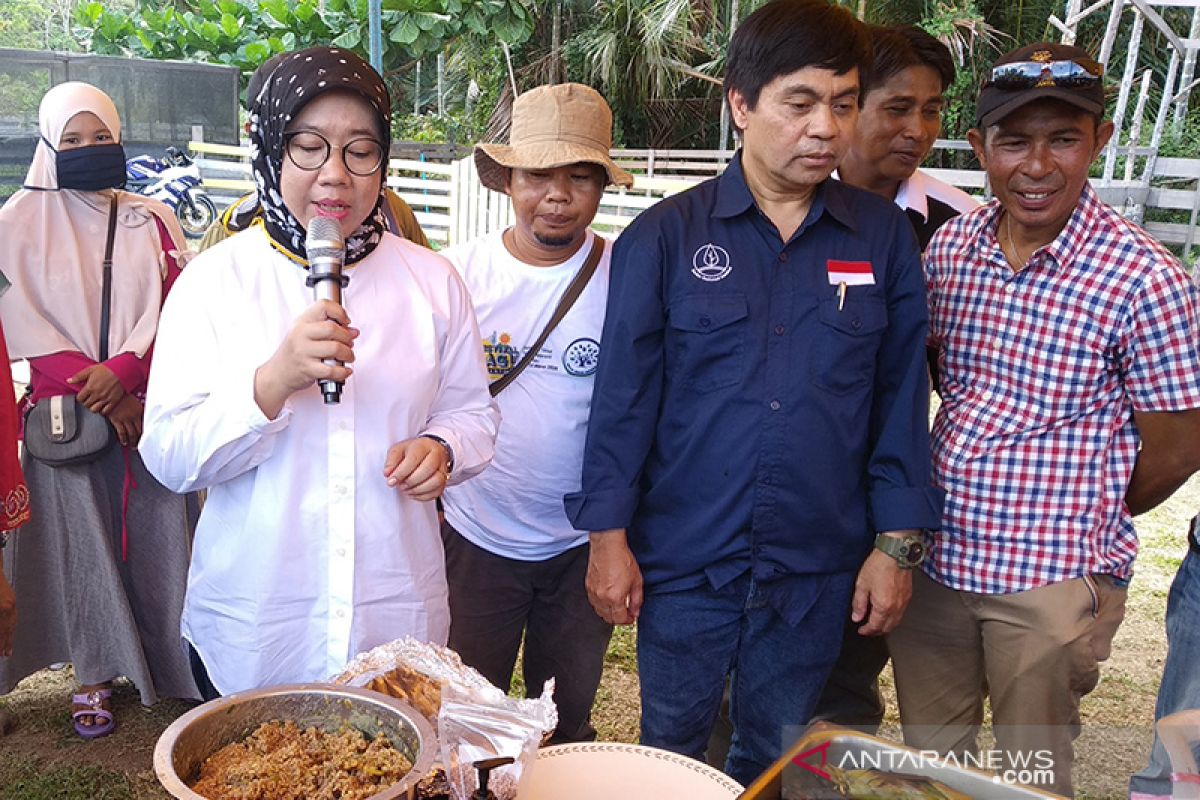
(52, 250)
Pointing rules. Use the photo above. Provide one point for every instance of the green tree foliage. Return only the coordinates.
(977, 31)
(37, 24)
(657, 61)
(244, 33)
(652, 59)
(636, 52)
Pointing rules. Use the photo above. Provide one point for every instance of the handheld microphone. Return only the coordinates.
(326, 251)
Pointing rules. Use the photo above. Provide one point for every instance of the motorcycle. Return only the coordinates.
(175, 180)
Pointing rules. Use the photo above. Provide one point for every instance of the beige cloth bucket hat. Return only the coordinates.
(553, 126)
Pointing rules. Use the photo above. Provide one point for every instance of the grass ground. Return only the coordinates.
(44, 760)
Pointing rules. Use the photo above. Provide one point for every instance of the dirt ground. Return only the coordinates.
(43, 759)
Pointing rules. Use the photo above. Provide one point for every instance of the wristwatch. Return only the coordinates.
(909, 551)
(448, 448)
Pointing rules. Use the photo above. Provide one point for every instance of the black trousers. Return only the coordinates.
(851, 697)
(495, 600)
(200, 674)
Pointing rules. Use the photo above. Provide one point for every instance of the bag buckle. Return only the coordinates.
(58, 420)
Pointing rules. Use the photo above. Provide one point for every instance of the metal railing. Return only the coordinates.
(452, 206)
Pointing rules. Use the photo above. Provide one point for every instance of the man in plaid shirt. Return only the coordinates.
(1066, 339)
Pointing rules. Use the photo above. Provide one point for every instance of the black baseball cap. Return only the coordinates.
(1038, 73)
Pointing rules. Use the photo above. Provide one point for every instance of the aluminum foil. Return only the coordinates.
(475, 720)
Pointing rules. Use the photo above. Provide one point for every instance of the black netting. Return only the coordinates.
(159, 101)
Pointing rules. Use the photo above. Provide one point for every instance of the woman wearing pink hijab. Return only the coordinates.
(100, 570)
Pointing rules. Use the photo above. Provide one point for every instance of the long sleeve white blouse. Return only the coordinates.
(304, 556)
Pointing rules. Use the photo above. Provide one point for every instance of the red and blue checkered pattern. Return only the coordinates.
(1041, 372)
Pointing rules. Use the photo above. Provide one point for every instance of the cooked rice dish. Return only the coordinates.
(279, 761)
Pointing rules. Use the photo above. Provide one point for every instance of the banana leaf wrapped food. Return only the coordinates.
(869, 784)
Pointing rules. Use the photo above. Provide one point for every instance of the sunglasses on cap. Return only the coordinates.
(1037, 74)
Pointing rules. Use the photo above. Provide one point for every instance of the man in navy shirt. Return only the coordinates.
(761, 408)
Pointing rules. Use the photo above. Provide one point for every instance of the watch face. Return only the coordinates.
(914, 553)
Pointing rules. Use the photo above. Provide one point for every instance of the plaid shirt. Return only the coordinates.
(1041, 371)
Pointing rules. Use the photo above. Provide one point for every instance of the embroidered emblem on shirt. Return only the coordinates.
(711, 263)
(581, 357)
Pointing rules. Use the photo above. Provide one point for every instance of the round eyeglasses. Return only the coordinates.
(309, 150)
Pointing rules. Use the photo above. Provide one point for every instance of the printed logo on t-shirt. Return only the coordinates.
(711, 263)
(500, 354)
(581, 357)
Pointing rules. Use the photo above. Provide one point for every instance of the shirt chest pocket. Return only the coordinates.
(846, 343)
(708, 341)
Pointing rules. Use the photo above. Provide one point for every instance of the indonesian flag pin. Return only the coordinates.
(848, 273)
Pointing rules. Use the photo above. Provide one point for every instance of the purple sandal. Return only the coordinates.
(103, 721)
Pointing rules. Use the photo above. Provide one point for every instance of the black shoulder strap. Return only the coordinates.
(564, 305)
(106, 298)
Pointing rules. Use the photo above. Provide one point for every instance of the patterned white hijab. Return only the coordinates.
(298, 79)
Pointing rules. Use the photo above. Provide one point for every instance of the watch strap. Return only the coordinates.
(900, 548)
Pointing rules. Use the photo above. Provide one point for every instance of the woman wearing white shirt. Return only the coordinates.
(318, 539)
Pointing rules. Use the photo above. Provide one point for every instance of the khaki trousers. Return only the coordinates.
(1034, 654)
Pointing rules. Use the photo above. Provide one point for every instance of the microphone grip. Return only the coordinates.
(329, 287)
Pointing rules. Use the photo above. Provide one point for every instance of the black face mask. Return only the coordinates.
(91, 168)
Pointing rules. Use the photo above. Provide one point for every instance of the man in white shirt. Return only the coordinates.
(900, 120)
(901, 117)
(514, 563)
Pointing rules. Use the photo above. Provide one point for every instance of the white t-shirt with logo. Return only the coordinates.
(515, 508)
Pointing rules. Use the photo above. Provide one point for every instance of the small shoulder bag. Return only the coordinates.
(60, 430)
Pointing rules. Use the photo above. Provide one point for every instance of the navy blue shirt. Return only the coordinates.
(740, 419)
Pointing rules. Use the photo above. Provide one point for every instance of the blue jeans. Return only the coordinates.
(690, 640)
(1180, 687)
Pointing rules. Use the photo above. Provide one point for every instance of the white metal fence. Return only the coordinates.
(452, 206)
(448, 200)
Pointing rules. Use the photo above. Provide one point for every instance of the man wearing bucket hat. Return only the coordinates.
(1070, 378)
(514, 563)
(761, 406)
